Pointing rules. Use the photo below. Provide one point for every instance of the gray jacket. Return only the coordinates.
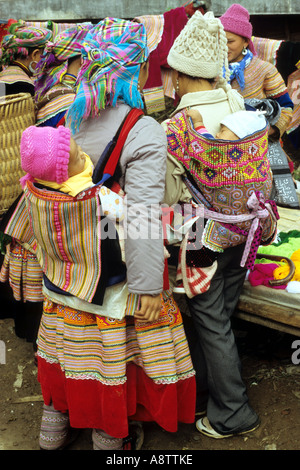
(143, 164)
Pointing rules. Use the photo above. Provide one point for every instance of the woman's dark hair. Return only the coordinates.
(71, 59)
(30, 51)
(210, 80)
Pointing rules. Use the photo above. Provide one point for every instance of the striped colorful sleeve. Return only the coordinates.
(275, 88)
(203, 131)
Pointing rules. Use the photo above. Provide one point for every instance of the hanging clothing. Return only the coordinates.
(167, 26)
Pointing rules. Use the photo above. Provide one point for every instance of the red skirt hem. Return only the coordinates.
(92, 404)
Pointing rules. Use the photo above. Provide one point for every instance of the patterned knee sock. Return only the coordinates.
(102, 441)
(54, 429)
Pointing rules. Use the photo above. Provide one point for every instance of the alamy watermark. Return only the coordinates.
(2, 352)
(295, 92)
(154, 222)
(2, 89)
(296, 354)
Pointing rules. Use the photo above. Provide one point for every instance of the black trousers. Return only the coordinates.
(213, 348)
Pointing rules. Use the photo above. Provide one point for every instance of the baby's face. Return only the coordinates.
(226, 134)
(77, 159)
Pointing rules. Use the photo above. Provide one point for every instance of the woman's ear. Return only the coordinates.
(36, 55)
(144, 73)
(246, 42)
(145, 66)
(174, 76)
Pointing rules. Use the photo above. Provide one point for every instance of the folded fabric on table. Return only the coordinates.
(261, 275)
(288, 243)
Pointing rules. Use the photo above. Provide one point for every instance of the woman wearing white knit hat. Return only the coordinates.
(200, 74)
(199, 59)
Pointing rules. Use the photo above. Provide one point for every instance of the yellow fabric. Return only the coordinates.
(76, 183)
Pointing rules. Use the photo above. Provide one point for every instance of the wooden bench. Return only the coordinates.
(278, 309)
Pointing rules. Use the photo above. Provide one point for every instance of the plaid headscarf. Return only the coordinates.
(53, 64)
(112, 55)
(20, 39)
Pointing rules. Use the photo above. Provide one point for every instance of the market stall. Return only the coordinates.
(276, 306)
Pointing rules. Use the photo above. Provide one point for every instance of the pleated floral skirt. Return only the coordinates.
(104, 372)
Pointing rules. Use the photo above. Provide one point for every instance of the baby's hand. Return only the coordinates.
(195, 116)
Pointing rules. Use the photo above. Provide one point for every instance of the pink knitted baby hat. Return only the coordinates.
(45, 153)
(236, 20)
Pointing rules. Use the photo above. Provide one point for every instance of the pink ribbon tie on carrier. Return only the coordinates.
(260, 209)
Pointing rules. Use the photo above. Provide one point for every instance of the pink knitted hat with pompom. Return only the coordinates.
(236, 20)
(45, 153)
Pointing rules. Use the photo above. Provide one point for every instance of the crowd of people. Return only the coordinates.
(112, 348)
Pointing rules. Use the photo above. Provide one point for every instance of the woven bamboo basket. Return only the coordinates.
(16, 114)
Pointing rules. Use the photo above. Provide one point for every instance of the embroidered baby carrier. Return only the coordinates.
(79, 253)
(216, 163)
(232, 179)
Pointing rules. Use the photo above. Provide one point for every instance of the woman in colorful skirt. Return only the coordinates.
(133, 363)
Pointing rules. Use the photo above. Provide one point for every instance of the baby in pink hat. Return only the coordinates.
(50, 156)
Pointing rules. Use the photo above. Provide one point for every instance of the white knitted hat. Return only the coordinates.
(201, 51)
(245, 123)
(196, 51)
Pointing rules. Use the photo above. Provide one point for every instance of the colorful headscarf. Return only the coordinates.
(20, 39)
(112, 55)
(53, 64)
